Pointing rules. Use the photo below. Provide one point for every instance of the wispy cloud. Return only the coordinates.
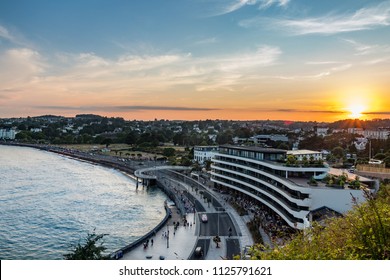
(232, 6)
(19, 66)
(14, 37)
(315, 71)
(363, 19)
(264, 55)
(5, 34)
(207, 41)
(373, 54)
(160, 72)
(310, 111)
(367, 49)
(321, 62)
(268, 3)
(230, 71)
(377, 113)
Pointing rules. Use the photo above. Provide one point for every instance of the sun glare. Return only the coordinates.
(355, 111)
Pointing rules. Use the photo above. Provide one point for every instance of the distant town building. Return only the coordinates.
(258, 139)
(35, 129)
(355, 130)
(301, 154)
(272, 137)
(204, 153)
(380, 134)
(360, 143)
(7, 133)
(322, 131)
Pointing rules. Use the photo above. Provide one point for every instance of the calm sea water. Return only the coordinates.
(49, 202)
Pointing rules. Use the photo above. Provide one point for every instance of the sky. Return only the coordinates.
(196, 59)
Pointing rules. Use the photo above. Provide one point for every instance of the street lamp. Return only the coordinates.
(167, 236)
(218, 221)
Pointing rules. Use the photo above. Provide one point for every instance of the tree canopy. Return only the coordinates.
(91, 249)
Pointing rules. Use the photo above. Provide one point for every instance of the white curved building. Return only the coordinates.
(263, 174)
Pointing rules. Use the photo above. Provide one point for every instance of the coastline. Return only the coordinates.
(108, 163)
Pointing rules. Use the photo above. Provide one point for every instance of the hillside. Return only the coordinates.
(362, 234)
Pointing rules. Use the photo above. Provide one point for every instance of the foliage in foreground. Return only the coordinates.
(91, 249)
(362, 234)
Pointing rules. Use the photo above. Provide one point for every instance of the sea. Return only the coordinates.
(49, 203)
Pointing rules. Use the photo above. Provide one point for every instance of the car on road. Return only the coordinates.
(198, 252)
(204, 218)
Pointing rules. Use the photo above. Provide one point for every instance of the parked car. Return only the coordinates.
(375, 161)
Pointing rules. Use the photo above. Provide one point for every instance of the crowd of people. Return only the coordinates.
(273, 225)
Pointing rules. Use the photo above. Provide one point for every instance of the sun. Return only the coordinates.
(356, 110)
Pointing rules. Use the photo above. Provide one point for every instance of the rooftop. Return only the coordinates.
(302, 152)
(254, 149)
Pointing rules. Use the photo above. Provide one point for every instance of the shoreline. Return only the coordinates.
(127, 171)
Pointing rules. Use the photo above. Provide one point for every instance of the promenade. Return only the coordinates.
(171, 244)
(168, 243)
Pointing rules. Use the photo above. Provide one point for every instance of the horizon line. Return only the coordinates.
(208, 119)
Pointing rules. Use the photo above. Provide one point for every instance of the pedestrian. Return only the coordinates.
(151, 241)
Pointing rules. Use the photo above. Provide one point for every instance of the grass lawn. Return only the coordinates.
(122, 150)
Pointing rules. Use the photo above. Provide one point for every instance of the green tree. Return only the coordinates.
(178, 139)
(91, 249)
(283, 146)
(338, 152)
(224, 137)
(169, 152)
(107, 142)
(380, 156)
(131, 138)
(23, 135)
(291, 160)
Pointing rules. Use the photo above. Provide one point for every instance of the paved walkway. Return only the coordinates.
(180, 244)
(175, 245)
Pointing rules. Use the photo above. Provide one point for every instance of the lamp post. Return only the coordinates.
(218, 221)
(167, 236)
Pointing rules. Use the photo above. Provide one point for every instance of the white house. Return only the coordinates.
(7, 133)
(204, 153)
(300, 154)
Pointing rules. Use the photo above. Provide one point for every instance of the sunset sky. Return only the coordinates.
(196, 59)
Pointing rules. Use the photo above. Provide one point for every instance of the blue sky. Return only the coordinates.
(195, 59)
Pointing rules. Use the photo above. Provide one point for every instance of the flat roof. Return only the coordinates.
(255, 149)
(302, 152)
